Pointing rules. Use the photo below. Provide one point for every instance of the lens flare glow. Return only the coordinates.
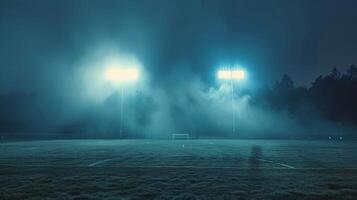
(118, 75)
(231, 74)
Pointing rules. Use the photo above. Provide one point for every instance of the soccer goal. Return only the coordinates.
(180, 136)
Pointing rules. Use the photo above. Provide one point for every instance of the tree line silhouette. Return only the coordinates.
(332, 97)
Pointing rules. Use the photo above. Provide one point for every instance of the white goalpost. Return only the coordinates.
(180, 136)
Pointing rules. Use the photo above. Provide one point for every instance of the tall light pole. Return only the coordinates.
(231, 75)
(122, 76)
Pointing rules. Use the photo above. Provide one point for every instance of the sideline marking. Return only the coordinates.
(285, 165)
(281, 164)
(99, 162)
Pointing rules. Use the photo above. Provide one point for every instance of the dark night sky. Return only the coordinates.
(269, 38)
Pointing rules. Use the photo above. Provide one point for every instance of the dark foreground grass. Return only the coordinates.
(192, 169)
(171, 183)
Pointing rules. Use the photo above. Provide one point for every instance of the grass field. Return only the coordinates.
(178, 169)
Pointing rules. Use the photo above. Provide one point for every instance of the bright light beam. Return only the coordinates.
(119, 75)
(237, 74)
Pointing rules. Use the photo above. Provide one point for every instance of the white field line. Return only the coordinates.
(281, 164)
(285, 165)
(99, 162)
(106, 160)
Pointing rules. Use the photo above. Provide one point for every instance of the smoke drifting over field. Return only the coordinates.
(88, 105)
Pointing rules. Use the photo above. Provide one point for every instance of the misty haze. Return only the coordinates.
(169, 99)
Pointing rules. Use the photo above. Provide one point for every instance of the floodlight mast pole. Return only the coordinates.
(121, 111)
(231, 75)
(119, 77)
(232, 101)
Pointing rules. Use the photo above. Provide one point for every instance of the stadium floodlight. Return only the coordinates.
(118, 75)
(232, 75)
